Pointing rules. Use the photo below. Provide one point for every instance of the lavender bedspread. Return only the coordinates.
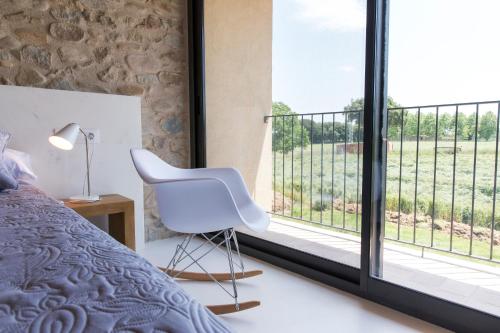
(60, 273)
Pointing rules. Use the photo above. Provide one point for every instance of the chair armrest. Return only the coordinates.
(232, 178)
(197, 205)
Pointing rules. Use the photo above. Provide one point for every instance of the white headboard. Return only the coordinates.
(31, 115)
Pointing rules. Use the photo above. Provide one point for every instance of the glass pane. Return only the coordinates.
(442, 233)
(317, 127)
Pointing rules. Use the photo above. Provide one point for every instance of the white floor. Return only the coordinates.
(469, 283)
(290, 303)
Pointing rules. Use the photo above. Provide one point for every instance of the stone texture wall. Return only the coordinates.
(130, 47)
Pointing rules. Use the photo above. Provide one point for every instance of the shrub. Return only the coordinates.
(336, 193)
(482, 218)
(406, 205)
(441, 210)
(391, 203)
(486, 190)
(466, 215)
(422, 205)
(318, 206)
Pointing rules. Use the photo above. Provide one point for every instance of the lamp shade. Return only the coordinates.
(65, 138)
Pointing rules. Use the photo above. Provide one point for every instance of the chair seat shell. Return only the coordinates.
(199, 200)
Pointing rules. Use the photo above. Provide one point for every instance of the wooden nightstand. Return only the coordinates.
(120, 212)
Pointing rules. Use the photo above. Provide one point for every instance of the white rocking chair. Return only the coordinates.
(199, 202)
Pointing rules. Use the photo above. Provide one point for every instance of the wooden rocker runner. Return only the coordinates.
(209, 203)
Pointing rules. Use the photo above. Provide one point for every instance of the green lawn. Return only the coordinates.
(317, 188)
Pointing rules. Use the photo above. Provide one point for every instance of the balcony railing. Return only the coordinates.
(441, 174)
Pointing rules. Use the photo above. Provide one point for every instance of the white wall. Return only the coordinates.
(238, 60)
(31, 115)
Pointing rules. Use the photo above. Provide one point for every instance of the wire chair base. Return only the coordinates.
(194, 255)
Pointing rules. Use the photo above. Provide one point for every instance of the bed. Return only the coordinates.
(60, 273)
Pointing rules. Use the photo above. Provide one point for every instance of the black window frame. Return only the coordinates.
(196, 63)
(360, 281)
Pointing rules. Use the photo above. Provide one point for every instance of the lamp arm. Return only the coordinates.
(88, 163)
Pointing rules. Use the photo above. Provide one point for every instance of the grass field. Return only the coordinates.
(321, 184)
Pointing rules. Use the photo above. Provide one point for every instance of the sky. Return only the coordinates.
(440, 51)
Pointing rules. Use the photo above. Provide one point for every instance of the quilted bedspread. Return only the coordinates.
(60, 273)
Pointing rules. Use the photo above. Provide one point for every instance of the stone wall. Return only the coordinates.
(130, 47)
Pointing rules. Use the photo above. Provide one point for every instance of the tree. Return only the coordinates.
(394, 116)
(464, 129)
(446, 125)
(487, 126)
(314, 127)
(427, 125)
(468, 126)
(358, 104)
(411, 125)
(314, 130)
(286, 123)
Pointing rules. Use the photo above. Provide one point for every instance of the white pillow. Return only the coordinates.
(19, 165)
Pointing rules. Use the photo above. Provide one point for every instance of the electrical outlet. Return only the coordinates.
(93, 134)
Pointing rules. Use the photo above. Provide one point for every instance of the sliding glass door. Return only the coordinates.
(440, 226)
(379, 162)
(317, 128)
